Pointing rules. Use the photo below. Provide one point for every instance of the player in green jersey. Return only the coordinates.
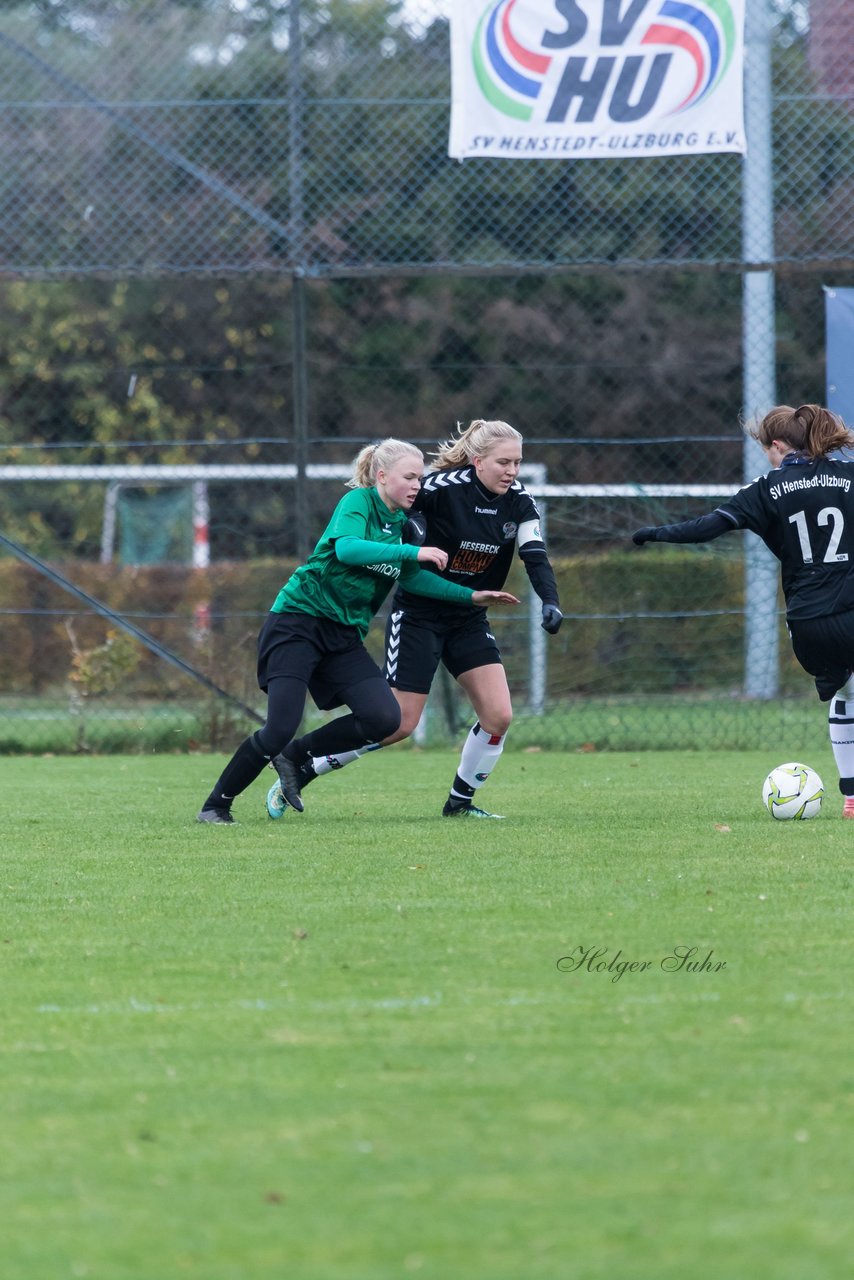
(313, 638)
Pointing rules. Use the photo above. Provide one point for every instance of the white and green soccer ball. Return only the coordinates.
(793, 791)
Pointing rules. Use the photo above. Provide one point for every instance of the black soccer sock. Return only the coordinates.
(298, 752)
(375, 715)
(242, 769)
(461, 790)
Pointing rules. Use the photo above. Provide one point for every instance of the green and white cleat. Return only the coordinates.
(276, 802)
(465, 809)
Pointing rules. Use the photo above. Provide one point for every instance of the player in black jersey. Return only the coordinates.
(477, 511)
(804, 512)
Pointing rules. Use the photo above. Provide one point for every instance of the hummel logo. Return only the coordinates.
(486, 511)
(393, 648)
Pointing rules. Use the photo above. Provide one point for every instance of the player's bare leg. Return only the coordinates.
(487, 690)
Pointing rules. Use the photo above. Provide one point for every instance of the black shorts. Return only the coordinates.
(414, 647)
(825, 648)
(327, 656)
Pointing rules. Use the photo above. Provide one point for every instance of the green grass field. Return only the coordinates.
(341, 1046)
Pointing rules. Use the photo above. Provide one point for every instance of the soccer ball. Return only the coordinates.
(793, 791)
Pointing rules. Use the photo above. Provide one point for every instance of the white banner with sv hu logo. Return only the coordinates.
(573, 79)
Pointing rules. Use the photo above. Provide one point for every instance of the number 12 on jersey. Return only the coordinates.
(828, 515)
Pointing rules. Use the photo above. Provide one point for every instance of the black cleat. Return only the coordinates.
(290, 780)
(455, 808)
(221, 816)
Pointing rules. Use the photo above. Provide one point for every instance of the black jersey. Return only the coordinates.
(478, 529)
(804, 512)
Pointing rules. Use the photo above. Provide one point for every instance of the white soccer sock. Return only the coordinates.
(480, 754)
(326, 764)
(840, 720)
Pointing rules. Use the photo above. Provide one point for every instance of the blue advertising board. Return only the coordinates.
(839, 325)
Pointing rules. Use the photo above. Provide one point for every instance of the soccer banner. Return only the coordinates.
(839, 337)
(573, 79)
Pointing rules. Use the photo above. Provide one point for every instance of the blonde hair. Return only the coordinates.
(809, 429)
(472, 442)
(380, 456)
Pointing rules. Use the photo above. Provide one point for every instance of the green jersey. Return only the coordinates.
(352, 593)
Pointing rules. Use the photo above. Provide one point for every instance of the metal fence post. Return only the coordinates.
(298, 301)
(762, 643)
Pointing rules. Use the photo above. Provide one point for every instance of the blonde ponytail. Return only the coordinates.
(476, 440)
(379, 456)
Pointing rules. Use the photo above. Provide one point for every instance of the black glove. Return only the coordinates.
(646, 534)
(415, 531)
(552, 618)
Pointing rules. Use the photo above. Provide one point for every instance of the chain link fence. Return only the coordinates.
(144, 138)
(231, 236)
